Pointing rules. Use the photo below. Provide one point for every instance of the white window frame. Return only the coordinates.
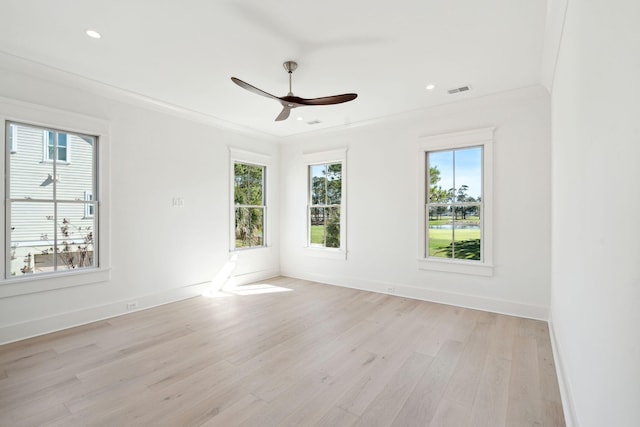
(45, 147)
(257, 159)
(37, 115)
(319, 158)
(453, 141)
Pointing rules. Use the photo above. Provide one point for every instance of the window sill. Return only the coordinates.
(47, 282)
(451, 266)
(250, 249)
(321, 252)
(59, 162)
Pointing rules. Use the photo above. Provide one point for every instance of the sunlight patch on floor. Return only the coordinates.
(260, 288)
(215, 294)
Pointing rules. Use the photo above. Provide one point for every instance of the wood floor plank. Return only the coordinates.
(245, 408)
(451, 414)
(312, 354)
(393, 352)
(383, 410)
(502, 335)
(425, 397)
(525, 403)
(337, 417)
(490, 405)
(466, 377)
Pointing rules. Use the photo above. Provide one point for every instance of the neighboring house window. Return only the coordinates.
(89, 208)
(13, 138)
(56, 146)
(51, 211)
(249, 204)
(456, 215)
(326, 206)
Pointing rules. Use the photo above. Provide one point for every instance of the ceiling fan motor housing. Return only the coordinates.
(290, 66)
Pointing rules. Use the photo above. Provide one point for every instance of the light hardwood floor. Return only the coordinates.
(310, 355)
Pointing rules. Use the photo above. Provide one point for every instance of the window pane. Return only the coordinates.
(257, 226)
(29, 176)
(334, 183)
(468, 174)
(317, 218)
(32, 237)
(243, 228)
(62, 147)
(249, 227)
(49, 139)
(440, 231)
(256, 185)
(75, 235)
(332, 229)
(240, 185)
(318, 184)
(12, 134)
(75, 179)
(467, 234)
(441, 182)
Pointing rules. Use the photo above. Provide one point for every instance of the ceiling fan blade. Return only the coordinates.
(284, 114)
(253, 89)
(328, 100)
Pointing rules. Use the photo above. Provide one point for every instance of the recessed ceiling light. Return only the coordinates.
(93, 34)
(430, 86)
(300, 119)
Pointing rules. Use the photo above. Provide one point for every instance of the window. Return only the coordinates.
(47, 223)
(13, 138)
(325, 197)
(56, 146)
(455, 202)
(89, 208)
(250, 206)
(326, 208)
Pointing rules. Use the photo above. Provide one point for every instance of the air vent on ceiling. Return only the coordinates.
(459, 89)
(314, 122)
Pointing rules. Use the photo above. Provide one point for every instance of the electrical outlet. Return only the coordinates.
(132, 305)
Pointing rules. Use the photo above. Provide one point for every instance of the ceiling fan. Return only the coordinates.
(291, 101)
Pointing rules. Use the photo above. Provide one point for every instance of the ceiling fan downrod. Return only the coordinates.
(290, 66)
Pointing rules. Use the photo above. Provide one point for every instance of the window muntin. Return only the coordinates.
(250, 205)
(46, 203)
(325, 200)
(454, 204)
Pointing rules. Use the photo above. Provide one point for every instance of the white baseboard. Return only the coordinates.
(45, 325)
(565, 390)
(460, 300)
(32, 328)
(245, 279)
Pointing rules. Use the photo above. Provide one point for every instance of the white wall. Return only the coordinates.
(158, 253)
(595, 301)
(382, 198)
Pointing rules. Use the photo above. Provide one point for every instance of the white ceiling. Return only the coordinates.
(184, 52)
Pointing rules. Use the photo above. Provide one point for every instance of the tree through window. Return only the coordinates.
(249, 200)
